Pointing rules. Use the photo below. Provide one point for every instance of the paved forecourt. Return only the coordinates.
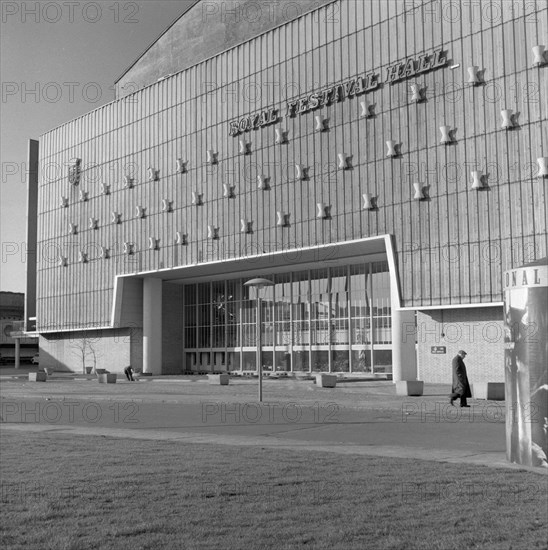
(356, 417)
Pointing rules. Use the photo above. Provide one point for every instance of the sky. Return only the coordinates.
(59, 60)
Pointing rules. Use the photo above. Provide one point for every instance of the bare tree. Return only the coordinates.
(84, 350)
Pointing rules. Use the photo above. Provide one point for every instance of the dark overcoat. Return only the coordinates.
(460, 379)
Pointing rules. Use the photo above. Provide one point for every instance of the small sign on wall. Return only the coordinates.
(438, 349)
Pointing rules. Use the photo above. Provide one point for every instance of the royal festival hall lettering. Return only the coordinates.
(335, 93)
(252, 122)
(412, 67)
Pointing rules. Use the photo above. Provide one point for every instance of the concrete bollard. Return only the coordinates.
(410, 387)
(326, 380)
(107, 378)
(493, 391)
(37, 376)
(218, 379)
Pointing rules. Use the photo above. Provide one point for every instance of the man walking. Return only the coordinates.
(461, 387)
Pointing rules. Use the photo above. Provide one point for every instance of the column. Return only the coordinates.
(32, 223)
(526, 363)
(369, 293)
(17, 352)
(404, 356)
(152, 326)
(259, 356)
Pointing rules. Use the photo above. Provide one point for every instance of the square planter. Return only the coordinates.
(37, 376)
(410, 387)
(493, 391)
(326, 380)
(109, 378)
(218, 379)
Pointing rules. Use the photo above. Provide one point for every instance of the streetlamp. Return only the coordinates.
(258, 285)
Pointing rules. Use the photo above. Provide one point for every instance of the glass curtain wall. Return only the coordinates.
(335, 319)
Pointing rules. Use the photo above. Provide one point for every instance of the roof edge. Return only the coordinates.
(179, 71)
(129, 67)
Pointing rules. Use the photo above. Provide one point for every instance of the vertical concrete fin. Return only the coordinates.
(117, 302)
(32, 235)
(404, 354)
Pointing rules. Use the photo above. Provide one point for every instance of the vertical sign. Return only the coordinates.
(526, 364)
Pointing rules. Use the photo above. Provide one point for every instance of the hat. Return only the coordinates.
(462, 352)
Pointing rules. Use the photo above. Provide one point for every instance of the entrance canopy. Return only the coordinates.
(265, 263)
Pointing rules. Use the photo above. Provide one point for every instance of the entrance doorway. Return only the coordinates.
(331, 319)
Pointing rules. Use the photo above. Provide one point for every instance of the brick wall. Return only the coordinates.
(115, 349)
(479, 331)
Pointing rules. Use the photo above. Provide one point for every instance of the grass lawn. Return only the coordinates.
(96, 492)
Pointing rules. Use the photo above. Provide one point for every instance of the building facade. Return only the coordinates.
(382, 163)
(12, 339)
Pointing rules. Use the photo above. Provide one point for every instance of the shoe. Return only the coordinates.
(451, 401)
(467, 406)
